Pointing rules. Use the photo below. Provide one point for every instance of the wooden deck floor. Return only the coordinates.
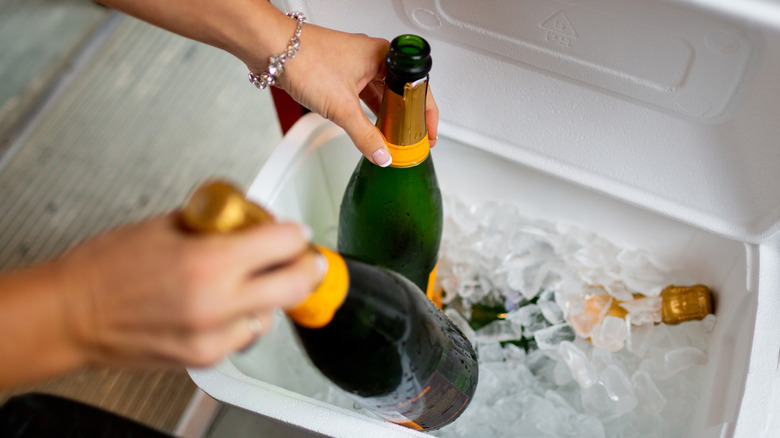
(144, 118)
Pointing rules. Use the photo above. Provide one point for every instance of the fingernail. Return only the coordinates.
(322, 265)
(306, 231)
(382, 158)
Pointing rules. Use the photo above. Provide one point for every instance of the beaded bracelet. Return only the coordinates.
(276, 63)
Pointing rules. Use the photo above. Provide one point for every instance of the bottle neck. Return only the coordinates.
(401, 121)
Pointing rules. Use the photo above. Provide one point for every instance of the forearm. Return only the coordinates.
(35, 342)
(252, 30)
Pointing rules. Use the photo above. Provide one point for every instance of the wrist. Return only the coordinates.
(75, 306)
(35, 344)
(69, 297)
(276, 62)
(267, 33)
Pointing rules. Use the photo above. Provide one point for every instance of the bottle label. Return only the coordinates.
(436, 405)
(410, 155)
(319, 308)
(432, 292)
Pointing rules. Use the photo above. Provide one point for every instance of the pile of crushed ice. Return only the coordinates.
(547, 368)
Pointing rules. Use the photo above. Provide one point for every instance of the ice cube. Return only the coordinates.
(601, 359)
(542, 366)
(619, 291)
(514, 354)
(588, 427)
(664, 365)
(463, 217)
(550, 337)
(464, 271)
(499, 331)
(536, 409)
(595, 308)
(501, 217)
(521, 242)
(528, 317)
(551, 312)
(611, 397)
(646, 310)
(648, 395)
(611, 334)
(582, 370)
(558, 424)
(683, 358)
(619, 388)
(595, 401)
(708, 323)
(467, 290)
(638, 337)
(558, 401)
(532, 280)
(490, 352)
(561, 374)
(491, 246)
(697, 333)
(639, 273)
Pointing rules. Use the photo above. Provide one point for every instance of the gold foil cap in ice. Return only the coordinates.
(220, 207)
(680, 304)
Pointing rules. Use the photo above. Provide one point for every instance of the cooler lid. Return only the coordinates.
(670, 105)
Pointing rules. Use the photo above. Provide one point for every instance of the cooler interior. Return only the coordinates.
(305, 180)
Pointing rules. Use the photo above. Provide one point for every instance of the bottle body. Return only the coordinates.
(368, 329)
(394, 351)
(392, 217)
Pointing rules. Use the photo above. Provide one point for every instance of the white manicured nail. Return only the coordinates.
(306, 231)
(382, 158)
(322, 265)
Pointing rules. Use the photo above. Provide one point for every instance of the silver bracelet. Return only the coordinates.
(276, 63)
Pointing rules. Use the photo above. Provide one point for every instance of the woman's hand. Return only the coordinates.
(149, 295)
(332, 72)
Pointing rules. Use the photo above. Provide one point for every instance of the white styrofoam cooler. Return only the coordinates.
(654, 123)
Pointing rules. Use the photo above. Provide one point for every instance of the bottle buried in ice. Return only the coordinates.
(674, 305)
(369, 330)
(392, 217)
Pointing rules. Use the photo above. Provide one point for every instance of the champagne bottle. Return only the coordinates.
(674, 305)
(367, 329)
(392, 217)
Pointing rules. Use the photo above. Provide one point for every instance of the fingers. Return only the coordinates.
(266, 246)
(371, 95)
(207, 348)
(284, 287)
(252, 311)
(364, 134)
(431, 118)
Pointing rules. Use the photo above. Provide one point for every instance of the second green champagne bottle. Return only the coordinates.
(392, 217)
(367, 329)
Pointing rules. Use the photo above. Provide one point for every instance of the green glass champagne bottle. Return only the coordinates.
(368, 329)
(392, 217)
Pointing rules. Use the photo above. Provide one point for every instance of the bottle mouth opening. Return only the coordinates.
(412, 46)
(408, 60)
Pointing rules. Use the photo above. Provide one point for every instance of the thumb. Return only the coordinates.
(366, 137)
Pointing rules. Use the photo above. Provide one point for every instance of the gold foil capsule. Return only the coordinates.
(680, 304)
